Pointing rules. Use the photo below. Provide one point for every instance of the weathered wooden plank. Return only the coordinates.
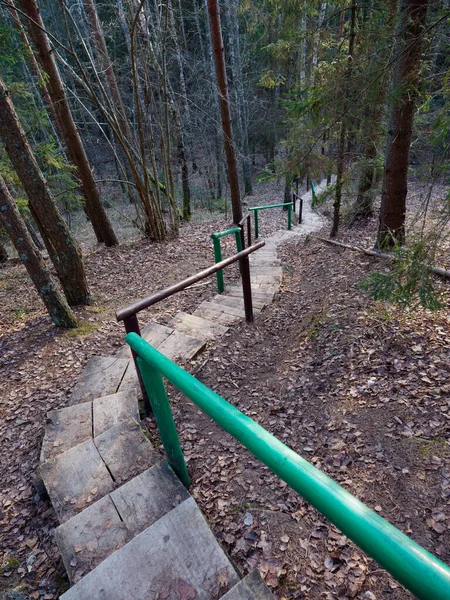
(252, 587)
(179, 345)
(148, 497)
(66, 428)
(205, 312)
(109, 410)
(237, 301)
(176, 558)
(130, 380)
(197, 327)
(263, 294)
(219, 307)
(88, 538)
(101, 377)
(153, 333)
(125, 450)
(75, 479)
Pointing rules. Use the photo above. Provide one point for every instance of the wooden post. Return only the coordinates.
(224, 103)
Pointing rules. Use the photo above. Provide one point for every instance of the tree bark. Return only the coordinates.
(340, 167)
(63, 250)
(102, 53)
(224, 103)
(3, 254)
(411, 23)
(55, 302)
(66, 125)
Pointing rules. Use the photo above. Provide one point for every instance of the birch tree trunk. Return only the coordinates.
(66, 125)
(63, 250)
(224, 103)
(55, 302)
(411, 22)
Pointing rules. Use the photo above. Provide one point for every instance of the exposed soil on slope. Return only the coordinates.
(358, 388)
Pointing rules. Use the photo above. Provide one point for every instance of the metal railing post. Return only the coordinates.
(249, 230)
(290, 216)
(154, 383)
(256, 224)
(131, 325)
(300, 210)
(217, 259)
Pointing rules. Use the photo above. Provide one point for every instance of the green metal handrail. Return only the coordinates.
(419, 571)
(257, 208)
(218, 251)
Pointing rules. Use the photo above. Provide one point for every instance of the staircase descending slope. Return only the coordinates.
(128, 528)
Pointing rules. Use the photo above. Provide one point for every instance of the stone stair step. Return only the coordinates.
(66, 428)
(80, 476)
(252, 587)
(101, 377)
(175, 558)
(89, 537)
(197, 327)
(107, 411)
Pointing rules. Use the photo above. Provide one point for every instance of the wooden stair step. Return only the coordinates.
(197, 327)
(107, 411)
(153, 333)
(75, 479)
(237, 300)
(101, 377)
(80, 476)
(88, 538)
(219, 307)
(179, 345)
(66, 428)
(70, 426)
(209, 313)
(263, 295)
(125, 450)
(173, 344)
(252, 587)
(175, 558)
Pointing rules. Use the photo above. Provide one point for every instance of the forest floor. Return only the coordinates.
(360, 388)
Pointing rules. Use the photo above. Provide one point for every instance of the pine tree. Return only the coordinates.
(15, 227)
(63, 250)
(408, 48)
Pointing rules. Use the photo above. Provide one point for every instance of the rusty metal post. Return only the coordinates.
(244, 264)
(300, 210)
(131, 324)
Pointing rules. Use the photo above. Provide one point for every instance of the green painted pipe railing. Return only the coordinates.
(218, 251)
(258, 208)
(419, 571)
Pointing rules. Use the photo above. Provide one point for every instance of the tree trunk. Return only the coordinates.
(224, 103)
(102, 53)
(66, 125)
(63, 250)
(3, 253)
(411, 22)
(340, 167)
(55, 302)
(241, 100)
